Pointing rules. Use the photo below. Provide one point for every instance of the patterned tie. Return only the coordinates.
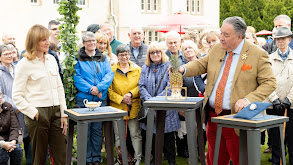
(222, 84)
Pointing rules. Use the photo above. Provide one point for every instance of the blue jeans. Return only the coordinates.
(94, 137)
(15, 156)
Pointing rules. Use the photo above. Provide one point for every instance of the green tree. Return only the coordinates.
(68, 9)
(257, 13)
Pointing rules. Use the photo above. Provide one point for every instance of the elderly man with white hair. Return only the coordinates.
(8, 38)
(138, 49)
(173, 42)
(282, 97)
(279, 21)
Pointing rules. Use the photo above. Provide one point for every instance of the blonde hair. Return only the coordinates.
(253, 37)
(251, 29)
(152, 47)
(101, 37)
(202, 37)
(212, 34)
(35, 34)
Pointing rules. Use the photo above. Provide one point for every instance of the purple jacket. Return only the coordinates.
(148, 83)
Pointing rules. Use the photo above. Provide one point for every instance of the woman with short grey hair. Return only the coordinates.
(122, 48)
(92, 79)
(127, 97)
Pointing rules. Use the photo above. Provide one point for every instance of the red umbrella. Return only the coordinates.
(172, 28)
(263, 32)
(180, 19)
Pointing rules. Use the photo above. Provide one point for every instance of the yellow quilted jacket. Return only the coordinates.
(123, 84)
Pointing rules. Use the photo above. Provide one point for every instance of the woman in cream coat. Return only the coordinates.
(38, 93)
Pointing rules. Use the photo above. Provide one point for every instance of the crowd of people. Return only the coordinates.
(32, 99)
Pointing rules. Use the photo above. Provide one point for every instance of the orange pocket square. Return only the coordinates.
(246, 67)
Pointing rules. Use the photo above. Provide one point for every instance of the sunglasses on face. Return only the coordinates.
(155, 52)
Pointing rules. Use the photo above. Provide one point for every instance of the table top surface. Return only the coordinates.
(117, 113)
(161, 101)
(229, 120)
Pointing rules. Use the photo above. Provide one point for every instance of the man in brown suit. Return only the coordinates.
(238, 73)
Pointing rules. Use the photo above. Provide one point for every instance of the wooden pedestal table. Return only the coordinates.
(249, 139)
(81, 117)
(192, 108)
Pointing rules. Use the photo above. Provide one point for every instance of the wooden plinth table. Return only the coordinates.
(249, 139)
(192, 108)
(106, 114)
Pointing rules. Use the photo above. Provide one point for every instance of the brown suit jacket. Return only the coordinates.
(253, 78)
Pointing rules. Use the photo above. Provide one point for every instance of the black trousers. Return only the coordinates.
(182, 147)
(269, 143)
(169, 147)
(276, 146)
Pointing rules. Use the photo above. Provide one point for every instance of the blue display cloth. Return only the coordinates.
(265, 117)
(248, 112)
(163, 98)
(97, 110)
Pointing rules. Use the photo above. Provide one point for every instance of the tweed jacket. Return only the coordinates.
(140, 61)
(284, 75)
(8, 123)
(253, 78)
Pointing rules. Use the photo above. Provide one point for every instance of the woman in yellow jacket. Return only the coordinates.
(124, 94)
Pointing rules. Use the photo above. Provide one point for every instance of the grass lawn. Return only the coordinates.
(183, 161)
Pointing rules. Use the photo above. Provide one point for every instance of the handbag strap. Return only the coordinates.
(18, 121)
(161, 81)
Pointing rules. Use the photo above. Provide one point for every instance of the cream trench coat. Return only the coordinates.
(283, 72)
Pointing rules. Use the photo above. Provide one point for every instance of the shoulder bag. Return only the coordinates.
(142, 113)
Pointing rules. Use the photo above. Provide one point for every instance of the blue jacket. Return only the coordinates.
(92, 71)
(148, 83)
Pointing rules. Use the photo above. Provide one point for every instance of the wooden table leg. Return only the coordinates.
(160, 127)
(217, 146)
(109, 141)
(253, 147)
(243, 157)
(200, 136)
(82, 128)
(71, 124)
(191, 136)
(282, 144)
(121, 132)
(149, 136)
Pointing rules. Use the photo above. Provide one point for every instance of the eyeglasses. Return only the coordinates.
(123, 55)
(155, 52)
(54, 29)
(7, 54)
(90, 41)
